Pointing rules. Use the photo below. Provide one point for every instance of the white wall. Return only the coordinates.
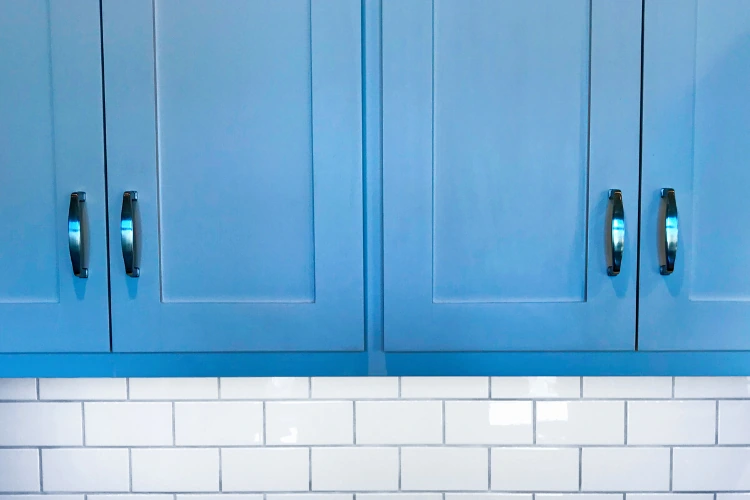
(378, 438)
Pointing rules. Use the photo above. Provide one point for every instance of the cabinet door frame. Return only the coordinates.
(142, 321)
(414, 320)
(75, 318)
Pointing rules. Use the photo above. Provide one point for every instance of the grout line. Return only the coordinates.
(489, 468)
(219, 386)
(580, 469)
(83, 423)
(673, 384)
(399, 387)
(127, 388)
(37, 389)
(263, 438)
(533, 422)
(221, 474)
(580, 388)
(626, 423)
(41, 474)
(309, 387)
(354, 423)
(671, 467)
(489, 387)
(309, 469)
(716, 430)
(174, 425)
(305, 493)
(130, 470)
(444, 420)
(399, 468)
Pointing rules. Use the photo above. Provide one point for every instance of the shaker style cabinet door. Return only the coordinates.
(505, 125)
(53, 251)
(695, 292)
(234, 150)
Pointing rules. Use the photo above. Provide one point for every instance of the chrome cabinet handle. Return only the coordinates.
(77, 234)
(671, 231)
(617, 227)
(128, 234)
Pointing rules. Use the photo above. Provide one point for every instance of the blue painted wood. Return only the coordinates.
(51, 144)
(696, 106)
(504, 126)
(239, 124)
(389, 364)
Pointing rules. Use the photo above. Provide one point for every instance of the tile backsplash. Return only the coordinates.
(462, 438)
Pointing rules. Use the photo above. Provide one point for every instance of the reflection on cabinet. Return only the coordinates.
(238, 124)
(51, 145)
(696, 140)
(505, 125)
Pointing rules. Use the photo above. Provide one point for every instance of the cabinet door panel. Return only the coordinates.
(51, 144)
(696, 140)
(239, 125)
(505, 123)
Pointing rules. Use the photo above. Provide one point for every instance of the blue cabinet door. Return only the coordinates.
(505, 124)
(696, 140)
(51, 145)
(239, 125)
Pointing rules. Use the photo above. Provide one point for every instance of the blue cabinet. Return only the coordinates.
(239, 125)
(51, 145)
(696, 140)
(505, 125)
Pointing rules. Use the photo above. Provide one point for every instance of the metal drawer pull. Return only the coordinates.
(77, 234)
(617, 244)
(128, 233)
(671, 232)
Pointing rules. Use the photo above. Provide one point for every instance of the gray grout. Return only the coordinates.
(372, 400)
(444, 420)
(174, 425)
(354, 422)
(533, 422)
(489, 468)
(37, 388)
(41, 474)
(263, 437)
(130, 470)
(716, 430)
(673, 384)
(580, 469)
(309, 469)
(671, 467)
(626, 423)
(221, 473)
(399, 468)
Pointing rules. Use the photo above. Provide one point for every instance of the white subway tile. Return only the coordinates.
(580, 422)
(132, 496)
(175, 469)
(128, 424)
(670, 496)
(488, 422)
(85, 469)
(711, 469)
(535, 469)
(41, 497)
(625, 469)
(579, 496)
(19, 470)
(174, 388)
(219, 496)
(671, 422)
(712, 387)
(536, 387)
(734, 422)
(265, 469)
(627, 387)
(82, 389)
(732, 496)
(41, 424)
(399, 496)
(355, 469)
(310, 422)
(487, 496)
(399, 422)
(444, 469)
(218, 423)
(17, 389)
(310, 496)
(444, 387)
(265, 388)
(354, 387)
